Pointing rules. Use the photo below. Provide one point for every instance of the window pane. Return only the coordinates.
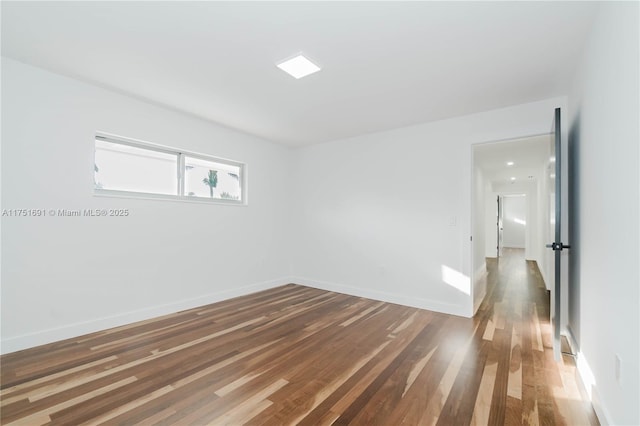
(127, 168)
(210, 179)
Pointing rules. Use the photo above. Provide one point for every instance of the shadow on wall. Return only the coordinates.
(573, 172)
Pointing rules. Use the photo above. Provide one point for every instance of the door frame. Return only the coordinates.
(474, 268)
(499, 224)
(513, 194)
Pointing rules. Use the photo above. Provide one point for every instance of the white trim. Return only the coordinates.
(42, 337)
(588, 382)
(601, 412)
(566, 332)
(138, 143)
(112, 193)
(428, 304)
(181, 173)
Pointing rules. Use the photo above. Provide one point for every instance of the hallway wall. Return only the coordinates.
(515, 221)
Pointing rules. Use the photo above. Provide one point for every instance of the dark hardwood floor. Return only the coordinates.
(297, 355)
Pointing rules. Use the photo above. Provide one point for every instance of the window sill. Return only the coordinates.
(106, 193)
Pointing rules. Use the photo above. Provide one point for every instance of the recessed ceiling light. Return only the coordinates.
(509, 163)
(298, 66)
(512, 178)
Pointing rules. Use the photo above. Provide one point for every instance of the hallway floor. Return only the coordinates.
(526, 384)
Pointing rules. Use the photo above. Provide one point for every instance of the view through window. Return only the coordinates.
(134, 168)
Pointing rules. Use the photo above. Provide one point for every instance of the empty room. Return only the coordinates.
(317, 213)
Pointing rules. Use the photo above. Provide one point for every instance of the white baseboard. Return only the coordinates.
(13, 344)
(414, 302)
(566, 332)
(601, 412)
(588, 382)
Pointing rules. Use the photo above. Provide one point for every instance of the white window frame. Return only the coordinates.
(180, 169)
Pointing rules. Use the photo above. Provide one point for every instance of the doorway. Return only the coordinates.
(512, 221)
(511, 204)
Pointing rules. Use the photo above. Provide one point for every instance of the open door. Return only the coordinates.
(557, 246)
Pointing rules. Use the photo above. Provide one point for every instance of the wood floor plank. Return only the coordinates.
(457, 389)
(415, 405)
(299, 355)
(502, 345)
(482, 405)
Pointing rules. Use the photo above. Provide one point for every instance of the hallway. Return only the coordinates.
(521, 381)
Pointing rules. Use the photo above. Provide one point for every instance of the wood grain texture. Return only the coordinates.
(298, 355)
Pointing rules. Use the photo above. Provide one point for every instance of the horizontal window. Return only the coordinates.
(126, 167)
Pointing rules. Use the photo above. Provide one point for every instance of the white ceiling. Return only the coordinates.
(384, 64)
(529, 156)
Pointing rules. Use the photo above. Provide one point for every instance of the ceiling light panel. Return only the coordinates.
(298, 66)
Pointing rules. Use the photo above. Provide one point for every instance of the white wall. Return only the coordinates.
(515, 221)
(62, 277)
(544, 254)
(479, 237)
(380, 215)
(604, 109)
